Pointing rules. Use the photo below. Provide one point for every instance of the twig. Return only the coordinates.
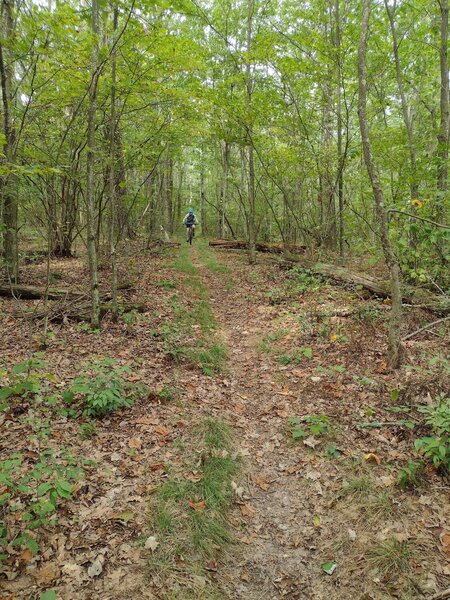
(407, 214)
(410, 335)
(441, 595)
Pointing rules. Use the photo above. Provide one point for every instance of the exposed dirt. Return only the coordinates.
(307, 349)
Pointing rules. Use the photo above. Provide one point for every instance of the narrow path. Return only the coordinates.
(276, 547)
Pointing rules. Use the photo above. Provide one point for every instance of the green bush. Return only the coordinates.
(31, 494)
(437, 446)
(26, 380)
(102, 388)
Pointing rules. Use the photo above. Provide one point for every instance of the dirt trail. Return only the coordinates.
(276, 550)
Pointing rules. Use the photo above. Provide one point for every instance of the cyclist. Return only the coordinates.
(190, 220)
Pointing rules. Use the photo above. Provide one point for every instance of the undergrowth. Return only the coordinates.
(188, 513)
(191, 335)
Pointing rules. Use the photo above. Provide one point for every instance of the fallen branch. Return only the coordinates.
(414, 333)
(441, 595)
(79, 312)
(260, 247)
(413, 296)
(34, 292)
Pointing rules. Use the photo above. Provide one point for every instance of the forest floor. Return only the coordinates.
(269, 451)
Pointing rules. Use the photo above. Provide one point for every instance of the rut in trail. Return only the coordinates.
(277, 554)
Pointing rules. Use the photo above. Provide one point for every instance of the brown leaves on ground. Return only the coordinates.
(198, 506)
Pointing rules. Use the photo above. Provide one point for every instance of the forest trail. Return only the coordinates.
(272, 559)
(260, 459)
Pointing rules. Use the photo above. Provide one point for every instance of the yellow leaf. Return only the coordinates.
(373, 458)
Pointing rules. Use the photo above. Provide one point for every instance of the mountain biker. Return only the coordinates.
(190, 220)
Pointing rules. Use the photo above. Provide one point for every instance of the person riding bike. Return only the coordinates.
(190, 220)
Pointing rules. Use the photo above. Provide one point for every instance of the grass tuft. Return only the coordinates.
(391, 557)
(190, 512)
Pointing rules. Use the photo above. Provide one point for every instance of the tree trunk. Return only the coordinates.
(90, 186)
(442, 176)
(251, 163)
(340, 156)
(414, 185)
(224, 187)
(8, 184)
(112, 174)
(395, 347)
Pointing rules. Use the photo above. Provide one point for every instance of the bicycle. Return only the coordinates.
(190, 234)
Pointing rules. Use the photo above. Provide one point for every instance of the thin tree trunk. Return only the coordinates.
(224, 191)
(395, 347)
(112, 174)
(8, 187)
(90, 187)
(251, 163)
(340, 156)
(414, 186)
(442, 176)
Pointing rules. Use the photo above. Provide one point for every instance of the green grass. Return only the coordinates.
(209, 258)
(391, 557)
(197, 535)
(358, 486)
(181, 335)
(210, 359)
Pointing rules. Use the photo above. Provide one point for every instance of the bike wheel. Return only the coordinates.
(191, 235)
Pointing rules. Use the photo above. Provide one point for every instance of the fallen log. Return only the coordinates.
(260, 246)
(34, 292)
(78, 312)
(415, 296)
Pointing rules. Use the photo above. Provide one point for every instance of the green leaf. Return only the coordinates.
(48, 595)
(329, 567)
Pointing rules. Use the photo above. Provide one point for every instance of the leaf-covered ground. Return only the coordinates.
(260, 459)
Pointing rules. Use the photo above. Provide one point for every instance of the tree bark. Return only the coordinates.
(90, 186)
(340, 156)
(8, 184)
(442, 175)
(251, 163)
(395, 347)
(112, 173)
(407, 119)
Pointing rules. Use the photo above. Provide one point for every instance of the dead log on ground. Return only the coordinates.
(410, 295)
(260, 246)
(78, 312)
(35, 292)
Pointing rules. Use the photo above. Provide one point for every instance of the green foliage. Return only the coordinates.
(27, 380)
(437, 446)
(303, 280)
(102, 389)
(36, 490)
(167, 394)
(315, 425)
(87, 430)
(295, 357)
(410, 476)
